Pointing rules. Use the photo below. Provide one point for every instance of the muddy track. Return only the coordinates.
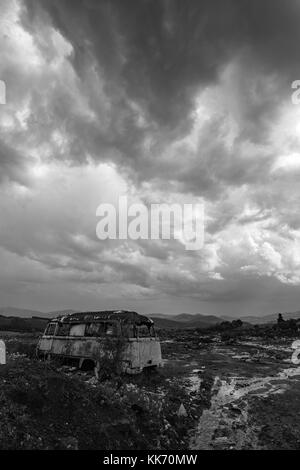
(227, 424)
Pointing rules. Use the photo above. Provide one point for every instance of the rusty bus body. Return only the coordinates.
(82, 336)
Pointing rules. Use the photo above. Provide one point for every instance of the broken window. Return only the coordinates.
(144, 331)
(101, 329)
(63, 329)
(50, 330)
(111, 329)
(129, 330)
(95, 329)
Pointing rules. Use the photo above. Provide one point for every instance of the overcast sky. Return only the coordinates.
(160, 100)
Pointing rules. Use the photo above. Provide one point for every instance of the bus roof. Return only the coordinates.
(124, 316)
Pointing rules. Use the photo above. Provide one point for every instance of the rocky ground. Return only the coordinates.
(255, 393)
(215, 391)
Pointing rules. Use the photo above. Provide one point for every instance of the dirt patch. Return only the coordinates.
(277, 418)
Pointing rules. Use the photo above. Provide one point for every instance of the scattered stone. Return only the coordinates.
(182, 411)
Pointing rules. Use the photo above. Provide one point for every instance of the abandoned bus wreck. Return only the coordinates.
(86, 336)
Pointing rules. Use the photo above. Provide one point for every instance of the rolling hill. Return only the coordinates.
(185, 320)
(25, 319)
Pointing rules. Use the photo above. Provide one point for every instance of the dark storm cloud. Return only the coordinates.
(161, 51)
(152, 58)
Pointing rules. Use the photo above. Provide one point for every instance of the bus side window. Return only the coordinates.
(101, 329)
(77, 330)
(152, 332)
(111, 329)
(143, 331)
(128, 331)
(50, 330)
(63, 329)
(95, 329)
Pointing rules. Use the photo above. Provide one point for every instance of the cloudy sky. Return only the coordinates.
(159, 100)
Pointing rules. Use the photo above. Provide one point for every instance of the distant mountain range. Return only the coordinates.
(162, 320)
(187, 320)
(24, 313)
(19, 312)
(271, 318)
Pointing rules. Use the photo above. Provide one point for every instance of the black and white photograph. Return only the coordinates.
(149, 228)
